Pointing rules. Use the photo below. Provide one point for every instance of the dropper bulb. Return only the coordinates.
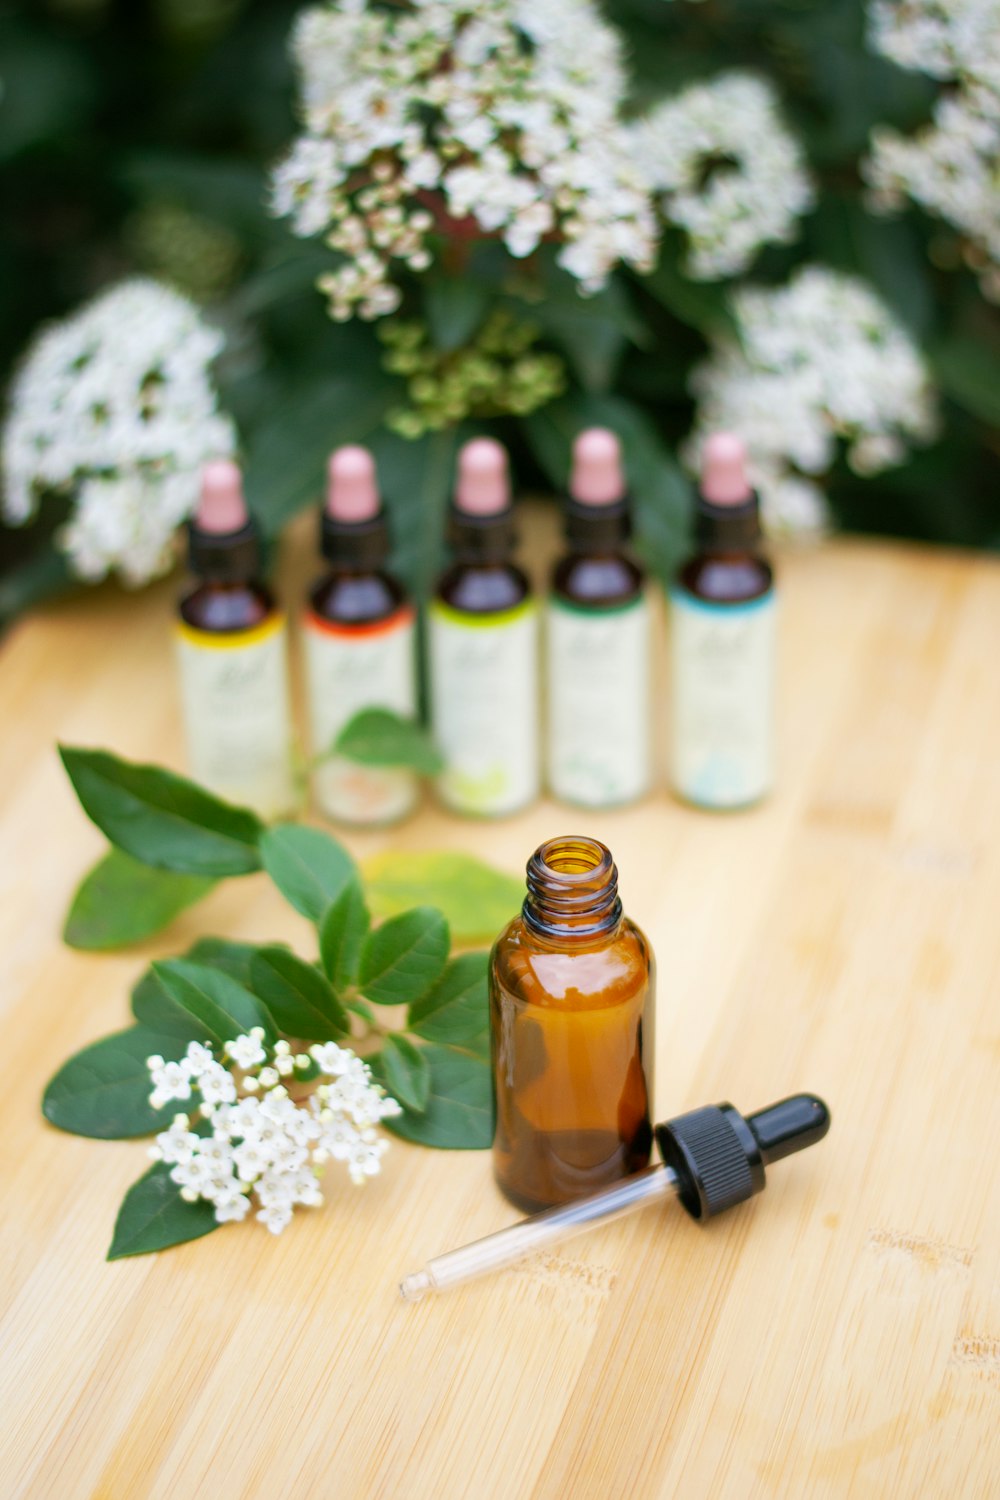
(789, 1126)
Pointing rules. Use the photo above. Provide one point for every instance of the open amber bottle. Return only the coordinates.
(571, 1030)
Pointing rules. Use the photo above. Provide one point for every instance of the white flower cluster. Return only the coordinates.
(951, 166)
(727, 170)
(114, 406)
(482, 119)
(261, 1140)
(818, 360)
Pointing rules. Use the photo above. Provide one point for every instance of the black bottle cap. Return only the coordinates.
(728, 528)
(228, 556)
(719, 1155)
(358, 544)
(483, 538)
(597, 528)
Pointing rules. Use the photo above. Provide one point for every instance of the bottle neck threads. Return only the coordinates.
(572, 889)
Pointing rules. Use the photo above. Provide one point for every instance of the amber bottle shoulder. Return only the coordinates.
(726, 578)
(222, 607)
(576, 974)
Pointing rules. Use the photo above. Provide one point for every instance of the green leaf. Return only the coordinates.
(122, 901)
(162, 819)
(378, 737)
(476, 899)
(343, 929)
(309, 868)
(458, 1115)
(154, 1216)
(103, 1091)
(592, 331)
(454, 306)
(402, 958)
(290, 444)
(456, 1010)
(406, 1072)
(416, 478)
(301, 1002)
(970, 374)
(699, 304)
(198, 1004)
(233, 959)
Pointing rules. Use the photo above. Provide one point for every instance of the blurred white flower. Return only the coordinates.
(497, 119)
(114, 406)
(726, 169)
(817, 360)
(263, 1142)
(944, 38)
(951, 166)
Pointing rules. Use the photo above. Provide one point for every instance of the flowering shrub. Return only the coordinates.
(534, 214)
(817, 360)
(951, 165)
(729, 172)
(463, 117)
(115, 408)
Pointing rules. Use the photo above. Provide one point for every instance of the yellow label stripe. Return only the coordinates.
(230, 640)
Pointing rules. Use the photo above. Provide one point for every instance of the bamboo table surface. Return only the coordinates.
(838, 1336)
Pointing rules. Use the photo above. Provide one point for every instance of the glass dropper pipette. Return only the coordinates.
(713, 1158)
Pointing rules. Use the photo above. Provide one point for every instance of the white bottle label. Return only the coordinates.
(349, 668)
(234, 689)
(484, 696)
(598, 692)
(723, 699)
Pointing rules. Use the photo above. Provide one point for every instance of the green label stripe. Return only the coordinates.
(595, 611)
(494, 621)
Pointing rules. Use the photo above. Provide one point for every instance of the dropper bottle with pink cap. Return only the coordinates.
(598, 640)
(723, 642)
(483, 648)
(232, 654)
(358, 632)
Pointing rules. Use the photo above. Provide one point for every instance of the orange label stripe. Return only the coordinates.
(402, 617)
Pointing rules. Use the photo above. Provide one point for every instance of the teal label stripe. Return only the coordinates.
(684, 600)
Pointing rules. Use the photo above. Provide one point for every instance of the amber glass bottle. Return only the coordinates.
(483, 649)
(231, 653)
(359, 637)
(723, 643)
(571, 1027)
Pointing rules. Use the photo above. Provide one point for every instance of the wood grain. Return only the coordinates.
(838, 1337)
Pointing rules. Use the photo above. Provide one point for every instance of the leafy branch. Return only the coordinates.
(417, 1013)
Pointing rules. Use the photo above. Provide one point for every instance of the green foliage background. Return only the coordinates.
(135, 136)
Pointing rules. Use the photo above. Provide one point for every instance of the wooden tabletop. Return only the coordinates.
(839, 1336)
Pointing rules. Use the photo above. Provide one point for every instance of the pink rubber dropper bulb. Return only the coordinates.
(221, 506)
(483, 487)
(351, 487)
(724, 470)
(596, 477)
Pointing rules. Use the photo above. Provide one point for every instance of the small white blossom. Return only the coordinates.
(950, 166)
(265, 1144)
(246, 1051)
(727, 170)
(815, 361)
(492, 120)
(114, 407)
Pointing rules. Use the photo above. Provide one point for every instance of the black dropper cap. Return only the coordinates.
(719, 1155)
(481, 516)
(732, 524)
(353, 527)
(602, 519)
(225, 553)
